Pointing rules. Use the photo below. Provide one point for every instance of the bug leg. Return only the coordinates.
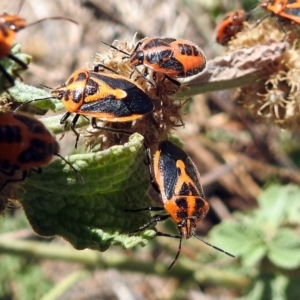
(97, 68)
(22, 65)
(7, 76)
(173, 80)
(71, 166)
(115, 130)
(153, 222)
(151, 208)
(179, 246)
(72, 126)
(7, 181)
(143, 75)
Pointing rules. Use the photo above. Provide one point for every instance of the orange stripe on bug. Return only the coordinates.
(275, 6)
(230, 26)
(107, 97)
(175, 176)
(9, 26)
(175, 58)
(25, 145)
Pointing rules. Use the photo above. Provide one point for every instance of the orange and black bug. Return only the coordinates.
(107, 97)
(283, 9)
(175, 176)
(175, 58)
(230, 26)
(25, 145)
(9, 26)
(275, 6)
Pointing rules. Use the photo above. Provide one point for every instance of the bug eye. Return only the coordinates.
(140, 56)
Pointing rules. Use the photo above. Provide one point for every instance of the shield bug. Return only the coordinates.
(174, 175)
(25, 145)
(9, 26)
(107, 97)
(230, 26)
(283, 10)
(175, 58)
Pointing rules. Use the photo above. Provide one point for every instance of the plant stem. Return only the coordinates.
(120, 261)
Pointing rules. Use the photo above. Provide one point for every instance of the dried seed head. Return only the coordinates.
(274, 99)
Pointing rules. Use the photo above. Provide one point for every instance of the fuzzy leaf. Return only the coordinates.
(23, 93)
(91, 214)
(241, 238)
(284, 249)
(292, 210)
(272, 204)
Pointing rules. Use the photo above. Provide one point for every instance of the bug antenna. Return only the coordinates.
(177, 254)
(52, 18)
(217, 248)
(19, 7)
(71, 166)
(30, 101)
(111, 46)
(45, 86)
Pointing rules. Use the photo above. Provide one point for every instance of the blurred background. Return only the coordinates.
(238, 158)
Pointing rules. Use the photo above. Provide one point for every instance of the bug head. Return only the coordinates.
(137, 58)
(13, 22)
(60, 92)
(187, 227)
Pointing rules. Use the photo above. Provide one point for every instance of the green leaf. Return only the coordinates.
(241, 238)
(284, 249)
(23, 93)
(292, 208)
(272, 204)
(279, 204)
(92, 214)
(268, 286)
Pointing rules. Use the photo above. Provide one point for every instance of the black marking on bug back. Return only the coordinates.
(167, 166)
(156, 42)
(167, 40)
(193, 173)
(82, 76)
(136, 101)
(199, 203)
(33, 125)
(185, 49)
(36, 152)
(182, 204)
(157, 57)
(196, 51)
(173, 64)
(198, 213)
(188, 190)
(91, 87)
(170, 150)
(76, 95)
(10, 134)
(191, 72)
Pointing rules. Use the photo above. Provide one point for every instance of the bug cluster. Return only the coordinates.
(130, 88)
